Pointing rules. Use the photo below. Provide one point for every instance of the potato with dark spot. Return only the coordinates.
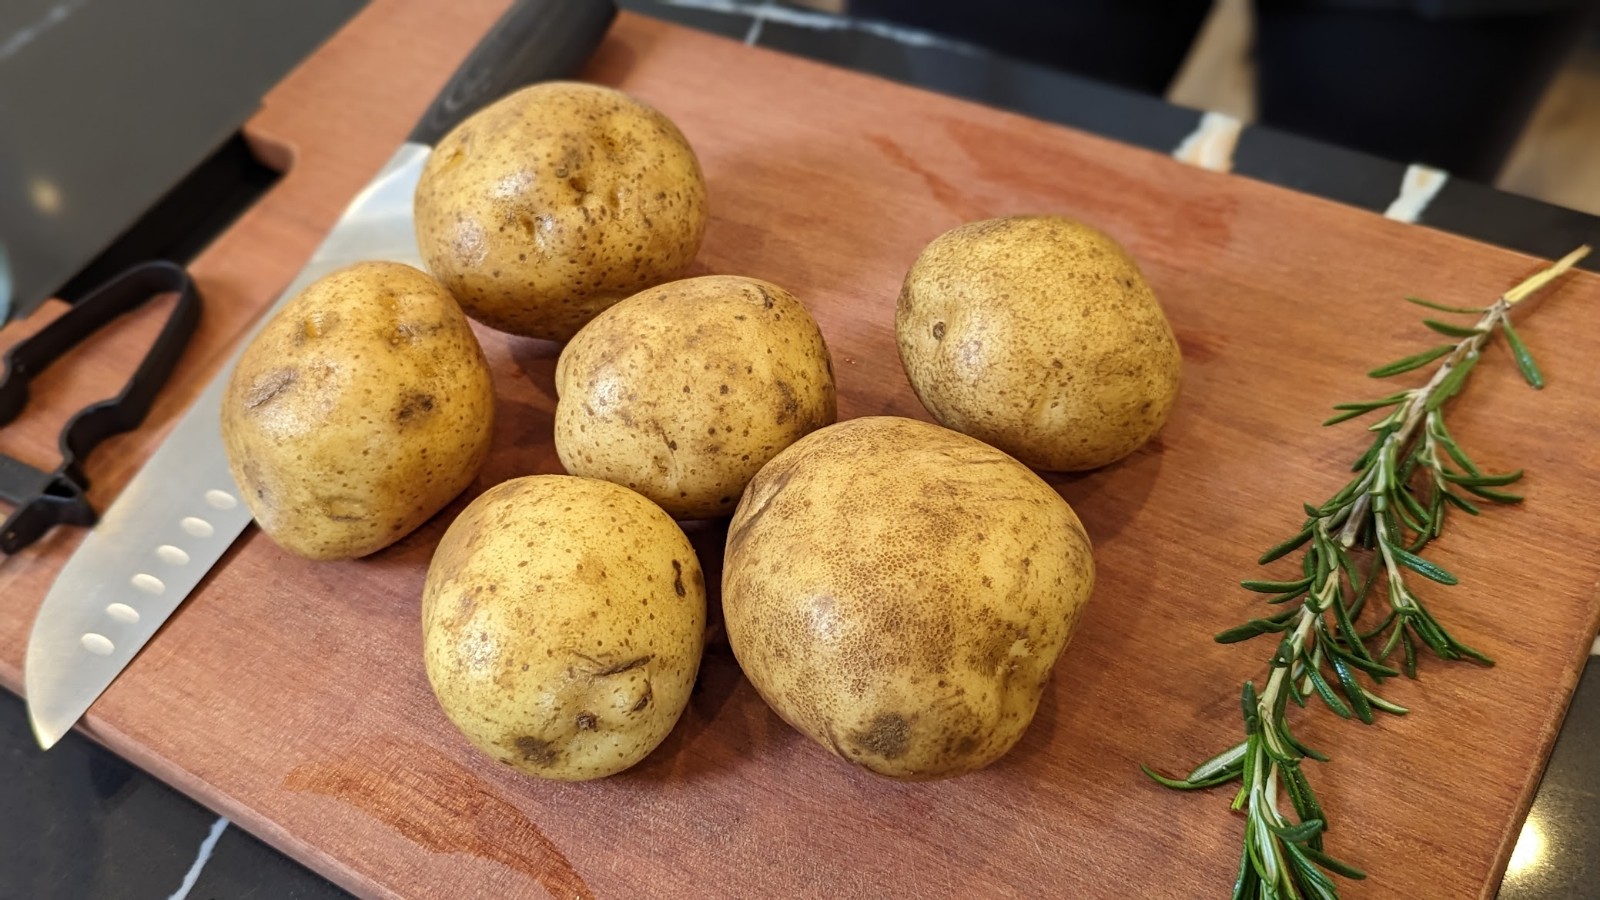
(360, 409)
(556, 201)
(1039, 335)
(563, 620)
(684, 391)
(899, 592)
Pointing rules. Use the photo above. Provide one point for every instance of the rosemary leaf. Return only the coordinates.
(1365, 459)
(1252, 749)
(1409, 467)
(1436, 424)
(1379, 403)
(1290, 598)
(1264, 874)
(1275, 587)
(1370, 666)
(1345, 416)
(1352, 690)
(1393, 709)
(1301, 796)
(1249, 630)
(1380, 628)
(1247, 702)
(1325, 691)
(1347, 629)
(1312, 882)
(1334, 865)
(1465, 505)
(1428, 631)
(1483, 480)
(1186, 784)
(1496, 496)
(1229, 761)
(1287, 547)
(1291, 740)
(1449, 329)
(1421, 566)
(1463, 650)
(1245, 887)
(1412, 523)
(1415, 361)
(1436, 510)
(1452, 382)
(1390, 645)
(1411, 505)
(1360, 600)
(1284, 658)
(1530, 370)
(1297, 834)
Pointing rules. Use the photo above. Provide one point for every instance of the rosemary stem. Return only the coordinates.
(1306, 685)
(1413, 410)
(1304, 622)
(1393, 504)
(1532, 285)
(1373, 486)
(1358, 515)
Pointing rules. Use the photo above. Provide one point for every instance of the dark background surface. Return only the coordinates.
(80, 822)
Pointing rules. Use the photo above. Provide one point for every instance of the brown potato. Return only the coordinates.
(563, 621)
(358, 411)
(1039, 335)
(554, 202)
(899, 592)
(684, 391)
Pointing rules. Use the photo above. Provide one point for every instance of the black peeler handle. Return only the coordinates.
(44, 499)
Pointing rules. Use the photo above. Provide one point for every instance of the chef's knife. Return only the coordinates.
(180, 513)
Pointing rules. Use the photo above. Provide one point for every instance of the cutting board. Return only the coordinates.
(291, 697)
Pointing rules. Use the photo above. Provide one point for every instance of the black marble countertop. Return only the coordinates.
(80, 822)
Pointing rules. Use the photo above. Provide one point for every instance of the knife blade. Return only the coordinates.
(180, 513)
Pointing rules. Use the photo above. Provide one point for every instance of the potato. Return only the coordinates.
(360, 409)
(555, 202)
(562, 624)
(1038, 334)
(684, 391)
(899, 593)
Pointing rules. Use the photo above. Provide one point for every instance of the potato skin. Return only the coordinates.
(684, 391)
(361, 409)
(1039, 335)
(556, 201)
(563, 620)
(899, 592)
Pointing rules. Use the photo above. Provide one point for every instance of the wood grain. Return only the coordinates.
(290, 696)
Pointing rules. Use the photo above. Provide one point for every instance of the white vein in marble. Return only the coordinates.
(1210, 146)
(54, 16)
(818, 21)
(200, 860)
(1417, 189)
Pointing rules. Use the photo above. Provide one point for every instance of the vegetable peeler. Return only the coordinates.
(41, 499)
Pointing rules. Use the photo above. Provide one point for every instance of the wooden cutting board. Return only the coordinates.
(290, 696)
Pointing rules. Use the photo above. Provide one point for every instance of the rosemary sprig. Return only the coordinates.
(1373, 529)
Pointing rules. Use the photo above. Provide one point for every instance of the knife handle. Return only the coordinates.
(535, 40)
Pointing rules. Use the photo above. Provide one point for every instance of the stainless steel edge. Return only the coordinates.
(181, 512)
